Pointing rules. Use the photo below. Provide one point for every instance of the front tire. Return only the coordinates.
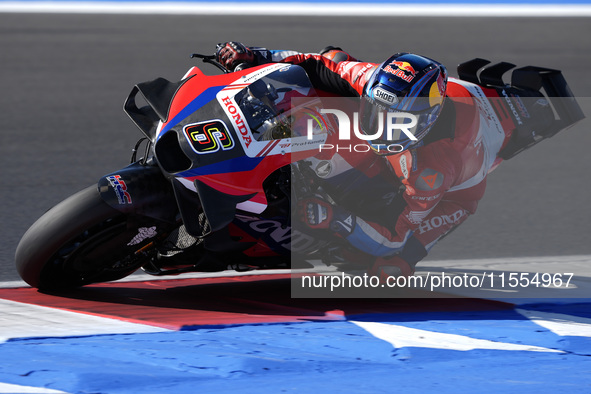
(83, 240)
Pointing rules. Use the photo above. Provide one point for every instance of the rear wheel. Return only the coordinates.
(83, 240)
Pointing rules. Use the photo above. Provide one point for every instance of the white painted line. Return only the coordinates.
(13, 284)
(20, 320)
(309, 9)
(560, 324)
(400, 336)
(139, 276)
(18, 389)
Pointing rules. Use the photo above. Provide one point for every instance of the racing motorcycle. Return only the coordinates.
(225, 162)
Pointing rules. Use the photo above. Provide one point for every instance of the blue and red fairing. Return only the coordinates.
(216, 139)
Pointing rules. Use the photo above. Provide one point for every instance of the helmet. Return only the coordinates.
(404, 83)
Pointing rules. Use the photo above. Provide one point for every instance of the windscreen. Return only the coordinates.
(267, 104)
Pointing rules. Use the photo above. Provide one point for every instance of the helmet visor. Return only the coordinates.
(393, 126)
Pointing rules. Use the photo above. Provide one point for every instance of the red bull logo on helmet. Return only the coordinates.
(402, 70)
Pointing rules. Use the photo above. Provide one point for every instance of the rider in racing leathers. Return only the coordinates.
(444, 170)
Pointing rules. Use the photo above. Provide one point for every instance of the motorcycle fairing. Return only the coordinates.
(474, 112)
(540, 92)
(242, 170)
(202, 117)
(203, 98)
(139, 189)
(198, 141)
(158, 95)
(219, 207)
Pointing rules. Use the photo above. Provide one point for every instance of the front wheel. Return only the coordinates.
(83, 240)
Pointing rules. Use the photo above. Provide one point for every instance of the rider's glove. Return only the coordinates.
(232, 54)
(319, 214)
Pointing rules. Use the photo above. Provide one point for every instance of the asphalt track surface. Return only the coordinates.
(64, 79)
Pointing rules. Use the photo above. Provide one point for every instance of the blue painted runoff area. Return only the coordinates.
(510, 353)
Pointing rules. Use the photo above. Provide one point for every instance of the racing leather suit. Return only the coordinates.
(443, 179)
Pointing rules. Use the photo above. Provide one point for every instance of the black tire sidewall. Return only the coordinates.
(55, 228)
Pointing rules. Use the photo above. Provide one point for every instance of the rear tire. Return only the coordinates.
(83, 240)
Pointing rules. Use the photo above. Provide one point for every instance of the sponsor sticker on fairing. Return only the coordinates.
(233, 111)
(120, 189)
(209, 136)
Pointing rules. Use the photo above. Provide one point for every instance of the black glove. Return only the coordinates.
(232, 54)
(318, 214)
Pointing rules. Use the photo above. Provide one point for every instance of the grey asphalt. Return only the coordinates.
(63, 79)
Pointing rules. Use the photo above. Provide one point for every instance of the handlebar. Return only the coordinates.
(211, 60)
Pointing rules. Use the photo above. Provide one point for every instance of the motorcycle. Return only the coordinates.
(225, 163)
